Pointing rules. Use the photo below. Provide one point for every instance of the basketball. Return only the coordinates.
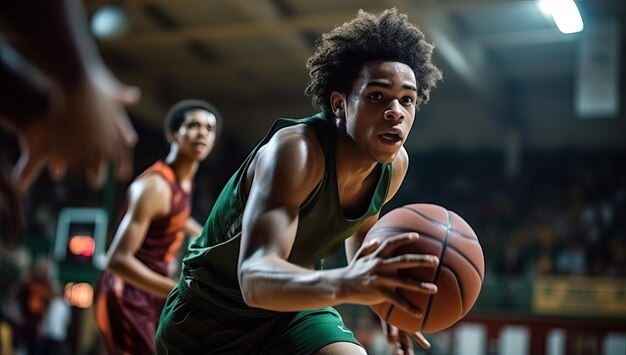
(458, 276)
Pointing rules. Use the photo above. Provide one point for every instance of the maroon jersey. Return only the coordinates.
(127, 316)
(166, 234)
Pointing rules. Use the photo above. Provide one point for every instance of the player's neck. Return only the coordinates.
(349, 162)
(184, 169)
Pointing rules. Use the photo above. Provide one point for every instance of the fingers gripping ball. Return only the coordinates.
(458, 276)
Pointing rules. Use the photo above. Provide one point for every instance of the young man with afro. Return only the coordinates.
(253, 282)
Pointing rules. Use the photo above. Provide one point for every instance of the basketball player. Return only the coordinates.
(131, 292)
(253, 282)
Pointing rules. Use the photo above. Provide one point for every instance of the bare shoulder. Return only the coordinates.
(151, 193)
(152, 183)
(292, 161)
(400, 163)
(300, 139)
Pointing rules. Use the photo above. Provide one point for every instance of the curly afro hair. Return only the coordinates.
(341, 53)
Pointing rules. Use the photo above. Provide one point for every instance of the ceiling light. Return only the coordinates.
(565, 14)
(109, 21)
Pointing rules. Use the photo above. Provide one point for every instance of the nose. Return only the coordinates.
(394, 112)
(205, 130)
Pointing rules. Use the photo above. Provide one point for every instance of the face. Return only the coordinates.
(380, 109)
(196, 135)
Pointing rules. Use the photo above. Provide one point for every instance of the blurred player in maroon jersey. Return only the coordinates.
(131, 292)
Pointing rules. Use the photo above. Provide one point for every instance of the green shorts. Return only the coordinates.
(185, 329)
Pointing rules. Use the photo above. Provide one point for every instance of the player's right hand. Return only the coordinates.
(372, 276)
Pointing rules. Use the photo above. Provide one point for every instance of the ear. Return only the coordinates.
(337, 103)
(169, 136)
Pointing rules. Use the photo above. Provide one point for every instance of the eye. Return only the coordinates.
(376, 96)
(407, 100)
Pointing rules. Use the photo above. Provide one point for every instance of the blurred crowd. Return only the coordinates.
(564, 215)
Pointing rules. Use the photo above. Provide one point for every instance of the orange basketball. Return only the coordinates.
(458, 276)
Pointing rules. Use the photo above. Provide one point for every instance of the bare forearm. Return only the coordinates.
(280, 286)
(139, 275)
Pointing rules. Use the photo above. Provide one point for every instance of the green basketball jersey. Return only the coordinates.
(210, 266)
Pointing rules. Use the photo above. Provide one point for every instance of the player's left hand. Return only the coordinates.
(401, 340)
(84, 128)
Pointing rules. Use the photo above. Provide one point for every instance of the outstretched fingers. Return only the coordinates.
(420, 339)
(410, 261)
(389, 245)
(401, 340)
(399, 300)
(128, 95)
(96, 173)
(367, 248)
(57, 168)
(405, 344)
(122, 156)
(392, 281)
(391, 266)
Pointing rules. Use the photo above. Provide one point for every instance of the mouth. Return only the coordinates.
(391, 137)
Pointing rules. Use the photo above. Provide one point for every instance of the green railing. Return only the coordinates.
(566, 295)
(510, 293)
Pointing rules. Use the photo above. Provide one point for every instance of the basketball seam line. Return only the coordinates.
(457, 251)
(437, 270)
(462, 298)
(449, 226)
(408, 230)
(389, 311)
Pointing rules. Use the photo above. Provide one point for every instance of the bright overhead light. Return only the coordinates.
(109, 21)
(565, 14)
